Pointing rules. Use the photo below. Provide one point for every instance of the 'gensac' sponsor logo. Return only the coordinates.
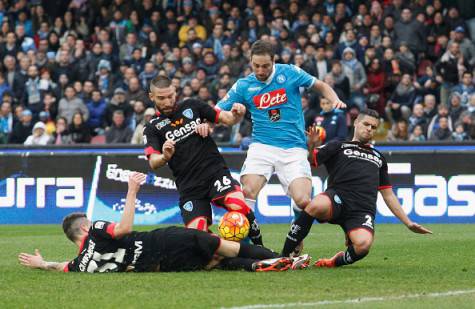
(268, 99)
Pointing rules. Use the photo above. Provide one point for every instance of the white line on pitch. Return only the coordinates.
(356, 300)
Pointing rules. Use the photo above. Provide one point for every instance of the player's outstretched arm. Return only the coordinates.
(329, 94)
(234, 116)
(124, 227)
(37, 261)
(395, 207)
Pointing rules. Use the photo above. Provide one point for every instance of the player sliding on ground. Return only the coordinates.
(357, 172)
(110, 247)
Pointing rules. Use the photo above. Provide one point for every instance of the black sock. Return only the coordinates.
(237, 263)
(254, 231)
(349, 257)
(298, 231)
(255, 252)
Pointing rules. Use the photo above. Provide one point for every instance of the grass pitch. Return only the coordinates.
(402, 270)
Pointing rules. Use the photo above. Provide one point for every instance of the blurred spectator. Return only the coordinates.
(79, 130)
(455, 108)
(450, 66)
(138, 114)
(356, 74)
(399, 132)
(465, 89)
(442, 132)
(411, 31)
(466, 45)
(118, 102)
(6, 122)
(97, 111)
(418, 118)
(23, 128)
(333, 121)
(61, 136)
(118, 132)
(417, 134)
(71, 104)
(135, 92)
(429, 103)
(137, 138)
(374, 89)
(459, 134)
(342, 82)
(442, 112)
(400, 103)
(39, 136)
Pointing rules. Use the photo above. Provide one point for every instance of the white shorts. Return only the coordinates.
(288, 164)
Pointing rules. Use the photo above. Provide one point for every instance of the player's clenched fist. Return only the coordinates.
(238, 109)
(168, 149)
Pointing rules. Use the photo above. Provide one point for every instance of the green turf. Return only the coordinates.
(400, 263)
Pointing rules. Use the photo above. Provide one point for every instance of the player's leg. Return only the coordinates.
(227, 193)
(196, 214)
(359, 235)
(320, 208)
(250, 257)
(256, 171)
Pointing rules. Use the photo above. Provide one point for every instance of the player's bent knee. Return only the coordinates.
(302, 200)
(318, 208)
(200, 223)
(362, 247)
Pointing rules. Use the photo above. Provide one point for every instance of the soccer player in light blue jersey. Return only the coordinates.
(272, 94)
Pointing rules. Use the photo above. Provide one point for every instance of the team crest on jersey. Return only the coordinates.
(188, 113)
(337, 199)
(281, 78)
(274, 115)
(188, 206)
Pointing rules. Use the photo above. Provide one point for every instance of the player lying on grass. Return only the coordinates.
(109, 247)
(357, 172)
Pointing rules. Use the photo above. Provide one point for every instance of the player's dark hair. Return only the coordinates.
(369, 112)
(261, 47)
(160, 82)
(72, 225)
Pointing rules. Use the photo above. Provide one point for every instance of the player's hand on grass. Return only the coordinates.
(136, 179)
(168, 149)
(238, 110)
(339, 105)
(31, 261)
(417, 228)
(203, 129)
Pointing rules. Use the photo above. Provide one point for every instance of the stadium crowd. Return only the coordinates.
(78, 71)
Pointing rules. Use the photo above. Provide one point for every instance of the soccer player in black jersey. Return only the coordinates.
(110, 247)
(357, 172)
(201, 174)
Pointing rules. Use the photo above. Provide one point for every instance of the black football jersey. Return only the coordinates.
(102, 252)
(356, 172)
(196, 159)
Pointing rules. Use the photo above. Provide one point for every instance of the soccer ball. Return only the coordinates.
(233, 226)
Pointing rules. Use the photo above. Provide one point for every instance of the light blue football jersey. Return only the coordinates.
(275, 105)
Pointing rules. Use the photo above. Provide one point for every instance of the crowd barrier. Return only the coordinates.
(435, 184)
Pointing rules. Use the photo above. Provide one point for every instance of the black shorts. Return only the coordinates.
(197, 203)
(349, 219)
(183, 249)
